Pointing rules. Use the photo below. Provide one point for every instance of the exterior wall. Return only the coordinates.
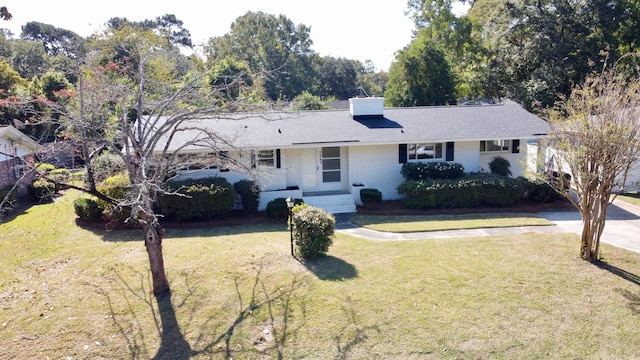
(375, 167)
(467, 154)
(518, 161)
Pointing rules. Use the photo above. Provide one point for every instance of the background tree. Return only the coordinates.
(421, 75)
(56, 41)
(270, 45)
(307, 101)
(596, 137)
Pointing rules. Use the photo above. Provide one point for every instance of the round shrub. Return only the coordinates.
(431, 170)
(87, 209)
(118, 188)
(249, 193)
(500, 166)
(277, 208)
(41, 190)
(107, 164)
(312, 231)
(370, 197)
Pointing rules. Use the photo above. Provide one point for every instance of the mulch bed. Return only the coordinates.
(389, 207)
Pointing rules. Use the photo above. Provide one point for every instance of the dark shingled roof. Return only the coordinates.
(396, 126)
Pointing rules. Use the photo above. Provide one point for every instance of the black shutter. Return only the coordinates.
(449, 151)
(515, 146)
(278, 165)
(402, 153)
(253, 159)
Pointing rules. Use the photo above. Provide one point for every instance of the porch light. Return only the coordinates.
(290, 202)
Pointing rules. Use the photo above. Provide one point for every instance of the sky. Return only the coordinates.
(353, 29)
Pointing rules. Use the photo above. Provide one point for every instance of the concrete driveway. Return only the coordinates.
(622, 228)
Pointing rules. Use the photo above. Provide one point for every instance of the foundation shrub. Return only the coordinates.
(431, 170)
(473, 190)
(249, 193)
(370, 197)
(277, 208)
(198, 199)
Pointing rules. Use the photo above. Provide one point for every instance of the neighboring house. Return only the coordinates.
(326, 157)
(15, 149)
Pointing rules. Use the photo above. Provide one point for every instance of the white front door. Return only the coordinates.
(310, 168)
(321, 168)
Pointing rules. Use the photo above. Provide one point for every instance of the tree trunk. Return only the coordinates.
(153, 234)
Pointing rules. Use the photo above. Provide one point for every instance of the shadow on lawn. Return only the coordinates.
(135, 234)
(262, 318)
(633, 278)
(331, 268)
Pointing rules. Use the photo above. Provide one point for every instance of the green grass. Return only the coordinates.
(631, 197)
(68, 292)
(418, 223)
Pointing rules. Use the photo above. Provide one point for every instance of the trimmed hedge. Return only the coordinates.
(539, 190)
(313, 230)
(203, 199)
(432, 170)
(249, 193)
(277, 208)
(473, 190)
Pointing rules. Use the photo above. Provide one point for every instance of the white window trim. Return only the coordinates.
(416, 159)
(502, 150)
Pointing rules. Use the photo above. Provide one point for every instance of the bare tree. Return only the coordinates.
(98, 117)
(595, 137)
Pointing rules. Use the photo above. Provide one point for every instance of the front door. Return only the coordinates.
(321, 168)
(310, 168)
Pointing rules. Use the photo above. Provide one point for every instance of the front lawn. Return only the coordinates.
(69, 292)
(418, 223)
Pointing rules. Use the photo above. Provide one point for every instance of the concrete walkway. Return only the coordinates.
(622, 228)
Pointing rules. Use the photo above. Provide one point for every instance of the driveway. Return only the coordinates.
(622, 228)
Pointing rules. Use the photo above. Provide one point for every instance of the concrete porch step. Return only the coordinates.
(333, 203)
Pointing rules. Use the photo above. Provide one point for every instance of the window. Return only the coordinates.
(425, 151)
(494, 145)
(265, 158)
(331, 164)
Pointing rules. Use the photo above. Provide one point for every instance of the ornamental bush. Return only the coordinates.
(500, 166)
(432, 170)
(197, 199)
(370, 197)
(11, 200)
(277, 208)
(118, 188)
(539, 190)
(87, 209)
(313, 230)
(249, 193)
(41, 190)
